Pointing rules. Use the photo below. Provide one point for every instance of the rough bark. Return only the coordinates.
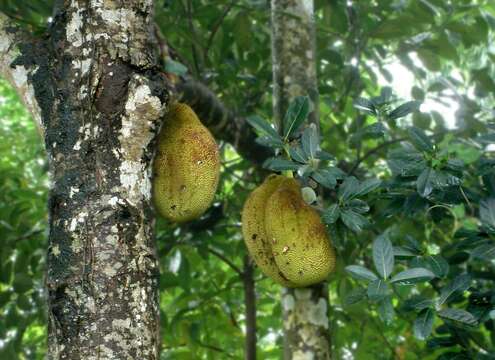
(250, 304)
(305, 311)
(99, 99)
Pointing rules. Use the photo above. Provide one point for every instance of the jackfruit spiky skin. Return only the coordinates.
(186, 168)
(253, 229)
(299, 240)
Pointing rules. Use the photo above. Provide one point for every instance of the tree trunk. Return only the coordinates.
(93, 86)
(250, 304)
(305, 310)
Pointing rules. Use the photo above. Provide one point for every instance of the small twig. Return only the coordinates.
(227, 261)
(193, 31)
(216, 26)
(471, 208)
(374, 151)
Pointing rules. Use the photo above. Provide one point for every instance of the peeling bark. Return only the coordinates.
(305, 310)
(99, 98)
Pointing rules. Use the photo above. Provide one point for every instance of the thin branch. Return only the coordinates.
(227, 261)
(216, 26)
(250, 309)
(374, 151)
(193, 32)
(388, 143)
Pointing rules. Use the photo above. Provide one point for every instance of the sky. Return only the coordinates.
(402, 83)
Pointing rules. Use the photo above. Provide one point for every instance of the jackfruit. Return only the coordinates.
(253, 229)
(299, 241)
(186, 168)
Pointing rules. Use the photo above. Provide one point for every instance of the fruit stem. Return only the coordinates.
(288, 174)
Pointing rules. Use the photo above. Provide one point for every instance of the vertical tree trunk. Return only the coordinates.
(100, 99)
(306, 326)
(250, 304)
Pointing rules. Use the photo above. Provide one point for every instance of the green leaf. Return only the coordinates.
(418, 303)
(420, 140)
(361, 273)
(22, 283)
(484, 252)
(394, 28)
(438, 265)
(383, 256)
(263, 126)
(277, 164)
(325, 178)
(331, 214)
(297, 112)
(354, 221)
(442, 179)
(5, 297)
(401, 251)
(175, 67)
(375, 130)
(349, 189)
(365, 105)
(354, 296)
(323, 155)
(377, 290)
(459, 284)
(424, 184)
(406, 161)
(458, 315)
(168, 280)
(487, 212)
(297, 154)
(385, 96)
(23, 302)
(310, 141)
(423, 325)
(418, 93)
(368, 186)
(404, 109)
(386, 310)
(358, 206)
(412, 276)
(270, 142)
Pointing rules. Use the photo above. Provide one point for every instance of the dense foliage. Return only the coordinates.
(409, 195)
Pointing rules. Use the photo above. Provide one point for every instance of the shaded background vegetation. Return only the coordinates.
(434, 51)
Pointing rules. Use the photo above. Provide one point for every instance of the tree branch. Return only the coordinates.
(227, 261)
(373, 151)
(216, 26)
(250, 309)
(11, 40)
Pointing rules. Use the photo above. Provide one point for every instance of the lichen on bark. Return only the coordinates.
(99, 97)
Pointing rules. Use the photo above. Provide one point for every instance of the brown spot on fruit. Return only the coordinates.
(253, 227)
(177, 179)
(292, 222)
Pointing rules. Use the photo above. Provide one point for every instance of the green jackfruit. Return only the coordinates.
(299, 241)
(253, 229)
(186, 168)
